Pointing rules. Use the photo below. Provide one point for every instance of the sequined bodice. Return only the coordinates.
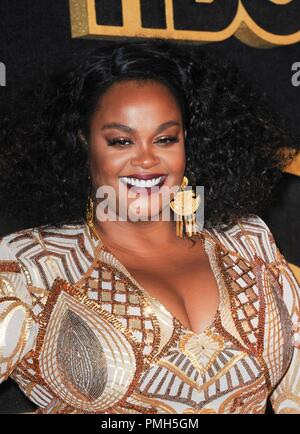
(92, 340)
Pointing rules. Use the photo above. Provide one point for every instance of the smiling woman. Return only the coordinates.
(139, 314)
(140, 150)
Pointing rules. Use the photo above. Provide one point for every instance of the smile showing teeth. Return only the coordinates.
(141, 182)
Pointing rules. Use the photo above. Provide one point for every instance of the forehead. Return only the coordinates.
(127, 98)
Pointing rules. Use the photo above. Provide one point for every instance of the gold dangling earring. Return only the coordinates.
(184, 205)
(90, 209)
(90, 214)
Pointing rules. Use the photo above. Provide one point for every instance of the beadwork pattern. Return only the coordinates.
(80, 335)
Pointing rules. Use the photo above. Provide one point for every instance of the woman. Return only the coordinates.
(142, 314)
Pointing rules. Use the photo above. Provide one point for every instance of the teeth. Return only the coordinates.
(141, 182)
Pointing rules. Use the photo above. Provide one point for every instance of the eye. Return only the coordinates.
(119, 141)
(167, 139)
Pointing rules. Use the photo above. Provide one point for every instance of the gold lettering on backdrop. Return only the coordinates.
(84, 25)
(281, 2)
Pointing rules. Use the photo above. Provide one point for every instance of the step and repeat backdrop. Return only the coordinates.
(261, 36)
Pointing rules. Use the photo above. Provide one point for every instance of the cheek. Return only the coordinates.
(176, 160)
(106, 163)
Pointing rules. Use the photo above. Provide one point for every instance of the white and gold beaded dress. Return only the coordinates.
(79, 335)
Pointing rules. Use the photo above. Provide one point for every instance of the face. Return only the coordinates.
(137, 148)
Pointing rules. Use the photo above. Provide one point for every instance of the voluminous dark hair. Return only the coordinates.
(233, 144)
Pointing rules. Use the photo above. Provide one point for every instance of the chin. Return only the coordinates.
(143, 215)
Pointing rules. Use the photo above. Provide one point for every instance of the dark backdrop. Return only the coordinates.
(35, 38)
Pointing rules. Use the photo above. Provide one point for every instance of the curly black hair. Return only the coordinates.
(233, 144)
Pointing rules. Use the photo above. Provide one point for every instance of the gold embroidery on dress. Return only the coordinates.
(202, 350)
(105, 346)
(13, 307)
(73, 372)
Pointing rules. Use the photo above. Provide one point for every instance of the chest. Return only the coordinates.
(183, 283)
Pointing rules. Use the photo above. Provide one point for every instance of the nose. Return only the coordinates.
(145, 157)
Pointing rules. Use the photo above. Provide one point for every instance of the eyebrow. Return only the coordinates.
(115, 125)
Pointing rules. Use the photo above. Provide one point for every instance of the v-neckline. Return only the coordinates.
(100, 246)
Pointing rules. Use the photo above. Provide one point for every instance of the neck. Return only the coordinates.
(144, 238)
